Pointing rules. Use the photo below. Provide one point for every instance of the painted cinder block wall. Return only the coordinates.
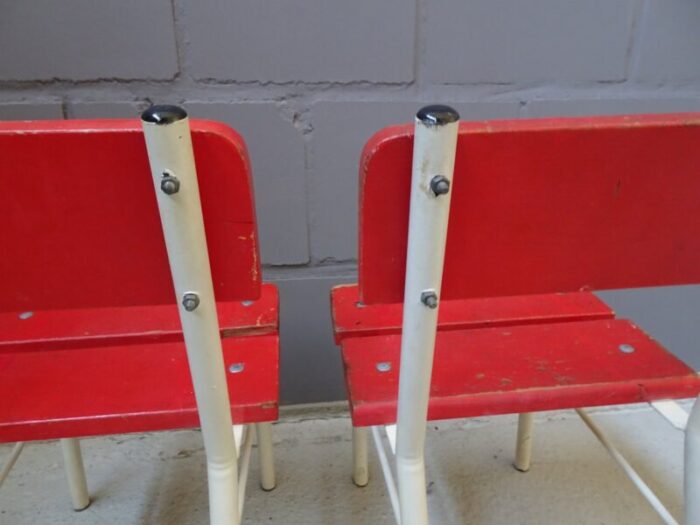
(308, 81)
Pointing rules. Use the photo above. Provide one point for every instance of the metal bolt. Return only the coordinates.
(236, 368)
(627, 349)
(384, 366)
(440, 185)
(429, 298)
(170, 184)
(246, 303)
(190, 301)
(25, 315)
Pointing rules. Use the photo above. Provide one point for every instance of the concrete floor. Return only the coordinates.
(159, 478)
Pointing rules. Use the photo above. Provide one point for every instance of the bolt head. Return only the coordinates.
(429, 298)
(190, 301)
(440, 185)
(170, 184)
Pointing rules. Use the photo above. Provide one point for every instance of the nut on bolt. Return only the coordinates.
(440, 185)
(429, 298)
(190, 301)
(169, 184)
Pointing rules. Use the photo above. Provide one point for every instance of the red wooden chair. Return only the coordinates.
(541, 212)
(94, 328)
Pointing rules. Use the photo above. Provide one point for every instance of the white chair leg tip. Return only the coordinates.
(80, 509)
(268, 488)
(521, 469)
(361, 483)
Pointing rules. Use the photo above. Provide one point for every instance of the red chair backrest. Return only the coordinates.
(541, 206)
(80, 224)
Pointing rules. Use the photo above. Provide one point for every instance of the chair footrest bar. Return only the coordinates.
(386, 470)
(10, 462)
(632, 474)
(672, 412)
(391, 436)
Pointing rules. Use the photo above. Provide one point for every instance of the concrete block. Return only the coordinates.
(98, 110)
(340, 131)
(510, 41)
(276, 149)
(671, 315)
(77, 40)
(622, 106)
(302, 40)
(31, 111)
(670, 42)
(311, 365)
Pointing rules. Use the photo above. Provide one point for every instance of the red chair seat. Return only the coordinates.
(525, 368)
(77, 373)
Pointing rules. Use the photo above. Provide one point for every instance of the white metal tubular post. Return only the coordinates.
(360, 471)
(692, 467)
(75, 473)
(169, 144)
(434, 149)
(523, 447)
(266, 454)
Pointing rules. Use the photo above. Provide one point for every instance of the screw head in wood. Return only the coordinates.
(236, 368)
(383, 366)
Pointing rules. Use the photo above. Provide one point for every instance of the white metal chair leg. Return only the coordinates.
(75, 473)
(169, 145)
(7, 467)
(523, 447)
(692, 467)
(434, 148)
(246, 449)
(360, 470)
(266, 454)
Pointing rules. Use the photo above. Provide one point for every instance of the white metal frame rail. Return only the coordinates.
(169, 143)
(434, 151)
(435, 144)
(681, 420)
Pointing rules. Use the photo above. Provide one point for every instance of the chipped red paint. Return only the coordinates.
(538, 206)
(354, 319)
(127, 388)
(85, 230)
(90, 339)
(95, 327)
(515, 369)
(542, 212)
